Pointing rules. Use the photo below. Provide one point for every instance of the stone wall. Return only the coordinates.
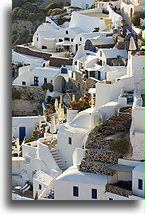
(98, 154)
(27, 51)
(106, 156)
(96, 167)
(29, 103)
(118, 190)
(79, 83)
(99, 143)
(59, 61)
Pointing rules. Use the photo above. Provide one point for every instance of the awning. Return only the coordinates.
(65, 43)
(54, 94)
(105, 68)
(121, 168)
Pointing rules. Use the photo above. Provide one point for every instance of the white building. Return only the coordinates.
(79, 185)
(129, 7)
(36, 76)
(111, 53)
(49, 36)
(26, 59)
(24, 126)
(83, 4)
(80, 39)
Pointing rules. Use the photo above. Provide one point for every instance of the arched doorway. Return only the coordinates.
(60, 84)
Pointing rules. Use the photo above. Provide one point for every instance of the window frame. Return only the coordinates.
(140, 185)
(94, 193)
(75, 191)
(69, 140)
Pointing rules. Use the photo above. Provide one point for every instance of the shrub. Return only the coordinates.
(30, 139)
(15, 10)
(135, 19)
(51, 6)
(120, 145)
(17, 3)
(105, 11)
(96, 29)
(47, 86)
(96, 130)
(16, 95)
(61, 21)
(79, 105)
(32, 17)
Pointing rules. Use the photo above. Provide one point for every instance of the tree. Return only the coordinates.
(135, 19)
(51, 6)
(47, 86)
(32, 17)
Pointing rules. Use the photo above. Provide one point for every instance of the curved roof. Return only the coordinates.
(102, 40)
(73, 175)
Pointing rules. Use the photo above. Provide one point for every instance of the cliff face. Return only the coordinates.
(27, 101)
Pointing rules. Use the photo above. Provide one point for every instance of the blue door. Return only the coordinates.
(22, 133)
(89, 46)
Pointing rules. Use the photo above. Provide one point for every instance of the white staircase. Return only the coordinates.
(58, 159)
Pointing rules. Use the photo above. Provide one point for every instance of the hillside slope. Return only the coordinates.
(27, 15)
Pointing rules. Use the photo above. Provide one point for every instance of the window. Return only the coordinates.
(72, 40)
(66, 39)
(70, 140)
(44, 47)
(40, 186)
(80, 39)
(36, 81)
(37, 39)
(94, 193)
(75, 191)
(100, 53)
(110, 198)
(23, 83)
(140, 184)
(66, 32)
(45, 80)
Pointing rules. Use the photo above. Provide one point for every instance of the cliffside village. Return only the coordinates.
(78, 106)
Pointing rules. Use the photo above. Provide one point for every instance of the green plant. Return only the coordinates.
(135, 19)
(47, 86)
(120, 145)
(30, 139)
(105, 11)
(96, 130)
(32, 17)
(96, 29)
(16, 95)
(80, 105)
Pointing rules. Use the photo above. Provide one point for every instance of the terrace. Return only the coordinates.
(99, 15)
(122, 188)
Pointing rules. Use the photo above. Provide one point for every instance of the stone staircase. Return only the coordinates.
(108, 23)
(98, 154)
(57, 158)
(98, 160)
